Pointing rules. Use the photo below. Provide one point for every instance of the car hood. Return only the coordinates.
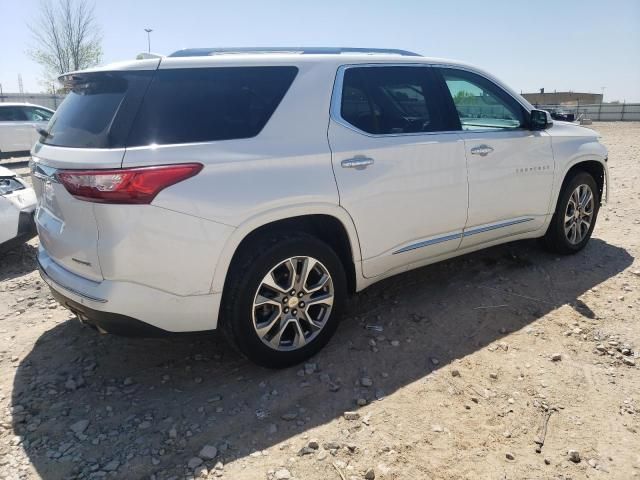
(569, 129)
(5, 172)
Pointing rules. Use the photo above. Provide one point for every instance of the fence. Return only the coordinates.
(44, 99)
(600, 112)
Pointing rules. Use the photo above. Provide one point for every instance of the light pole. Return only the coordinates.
(148, 30)
(601, 100)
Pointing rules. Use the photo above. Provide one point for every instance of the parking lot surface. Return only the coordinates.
(510, 363)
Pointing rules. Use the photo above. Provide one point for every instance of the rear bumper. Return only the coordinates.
(126, 308)
(106, 321)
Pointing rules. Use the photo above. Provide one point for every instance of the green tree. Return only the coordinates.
(66, 37)
(463, 97)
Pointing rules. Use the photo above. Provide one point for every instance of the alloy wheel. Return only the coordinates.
(579, 214)
(293, 303)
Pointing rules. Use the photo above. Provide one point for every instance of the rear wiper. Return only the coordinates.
(44, 132)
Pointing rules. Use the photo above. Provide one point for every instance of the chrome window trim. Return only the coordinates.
(335, 113)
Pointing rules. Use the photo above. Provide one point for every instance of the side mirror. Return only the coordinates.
(540, 120)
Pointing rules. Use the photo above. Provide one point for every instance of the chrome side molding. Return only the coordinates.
(466, 233)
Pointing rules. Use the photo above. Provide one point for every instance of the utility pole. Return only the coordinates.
(601, 100)
(148, 30)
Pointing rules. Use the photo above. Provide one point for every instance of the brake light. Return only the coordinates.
(126, 185)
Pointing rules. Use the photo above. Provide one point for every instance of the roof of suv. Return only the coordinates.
(234, 56)
(261, 56)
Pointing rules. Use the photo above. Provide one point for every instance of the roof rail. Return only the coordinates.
(203, 52)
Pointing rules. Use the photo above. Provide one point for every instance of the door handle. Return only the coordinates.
(482, 150)
(358, 163)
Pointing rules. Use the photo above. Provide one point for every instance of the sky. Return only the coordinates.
(578, 45)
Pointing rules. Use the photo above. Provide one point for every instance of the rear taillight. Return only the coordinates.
(127, 185)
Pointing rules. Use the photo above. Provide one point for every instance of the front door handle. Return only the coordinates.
(358, 163)
(482, 150)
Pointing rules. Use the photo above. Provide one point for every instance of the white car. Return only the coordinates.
(17, 205)
(252, 190)
(18, 125)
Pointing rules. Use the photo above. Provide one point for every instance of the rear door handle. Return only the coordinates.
(482, 150)
(358, 163)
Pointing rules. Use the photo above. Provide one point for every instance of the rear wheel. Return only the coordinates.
(575, 216)
(283, 299)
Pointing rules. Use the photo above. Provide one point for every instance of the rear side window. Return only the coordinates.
(390, 100)
(98, 110)
(206, 104)
(12, 114)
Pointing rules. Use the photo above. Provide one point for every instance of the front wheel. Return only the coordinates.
(575, 216)
(283, 299)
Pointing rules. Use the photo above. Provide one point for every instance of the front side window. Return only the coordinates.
(12, 114)
(389, 100)
(480, 104)
(207, 104)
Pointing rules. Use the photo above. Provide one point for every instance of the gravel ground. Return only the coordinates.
(509, 363)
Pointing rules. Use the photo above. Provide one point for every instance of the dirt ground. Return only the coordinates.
(452, 371)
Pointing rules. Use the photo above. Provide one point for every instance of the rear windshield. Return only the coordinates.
(206, 104)
(97, 110)
(137, 108)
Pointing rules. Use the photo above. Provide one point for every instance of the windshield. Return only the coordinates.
(9, 184)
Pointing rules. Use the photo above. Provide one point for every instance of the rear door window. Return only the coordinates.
(207, 104)
(12, 114)
(391, 100)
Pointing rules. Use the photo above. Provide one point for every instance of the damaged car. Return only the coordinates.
(17, 206)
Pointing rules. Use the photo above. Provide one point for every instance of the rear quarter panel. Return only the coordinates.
(160, 248)
(288, 162)
(246, 183)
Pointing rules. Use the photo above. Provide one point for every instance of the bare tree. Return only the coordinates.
(66, 37)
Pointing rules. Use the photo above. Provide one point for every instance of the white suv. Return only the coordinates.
(252, 190)
(19, 123)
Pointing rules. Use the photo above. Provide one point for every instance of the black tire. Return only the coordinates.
(245, 276)
(555, 239)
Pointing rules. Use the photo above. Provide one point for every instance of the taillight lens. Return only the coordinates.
(126, 185)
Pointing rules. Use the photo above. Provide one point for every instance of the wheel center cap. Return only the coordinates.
(292, 302)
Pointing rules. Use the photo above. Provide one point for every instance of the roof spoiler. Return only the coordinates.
(145, 55)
